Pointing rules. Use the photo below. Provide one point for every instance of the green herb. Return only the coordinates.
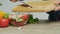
(31, 20)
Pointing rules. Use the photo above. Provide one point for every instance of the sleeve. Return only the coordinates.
(50, 12)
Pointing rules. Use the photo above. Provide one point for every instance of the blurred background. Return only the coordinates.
(7, 6)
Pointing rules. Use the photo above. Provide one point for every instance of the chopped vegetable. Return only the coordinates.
(31, 20)
(19, 20)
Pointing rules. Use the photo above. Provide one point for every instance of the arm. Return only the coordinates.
(56, 6)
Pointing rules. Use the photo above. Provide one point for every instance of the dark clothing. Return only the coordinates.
(54, 15)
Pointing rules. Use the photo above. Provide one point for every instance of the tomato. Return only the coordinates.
(25, 19)
(4, 22)
(26, 16)
(22, 23)
(13, 22)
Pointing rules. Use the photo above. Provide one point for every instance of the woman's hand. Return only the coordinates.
(13, 0)
(57, 6)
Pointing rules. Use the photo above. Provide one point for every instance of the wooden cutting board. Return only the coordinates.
(39, 6)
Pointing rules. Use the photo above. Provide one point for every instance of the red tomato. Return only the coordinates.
(22, 23)
(13, 22)
(26, 16)
(4, 22)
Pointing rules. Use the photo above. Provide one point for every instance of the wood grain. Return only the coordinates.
(36, 7)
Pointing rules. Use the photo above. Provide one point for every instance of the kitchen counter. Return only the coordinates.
(46, 28)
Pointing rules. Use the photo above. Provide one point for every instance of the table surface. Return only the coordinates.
(41, 28)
